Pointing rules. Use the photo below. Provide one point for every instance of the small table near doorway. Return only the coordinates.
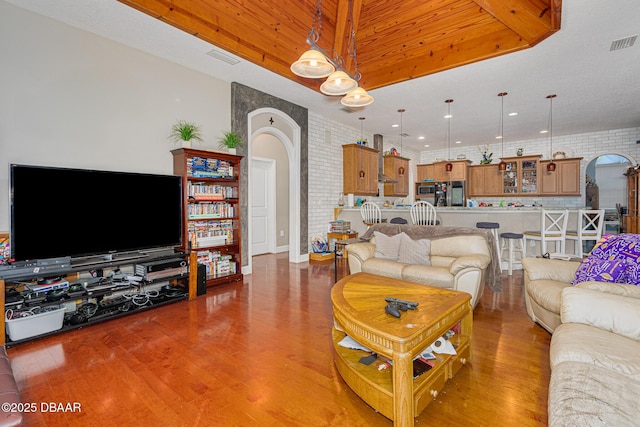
(358, 309)
(338, 242)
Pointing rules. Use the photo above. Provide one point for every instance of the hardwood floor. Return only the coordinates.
(259, 354)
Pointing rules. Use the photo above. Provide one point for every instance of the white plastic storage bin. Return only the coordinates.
(30, 326)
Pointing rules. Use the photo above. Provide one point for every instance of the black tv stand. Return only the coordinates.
(81, 299)
(115, 259)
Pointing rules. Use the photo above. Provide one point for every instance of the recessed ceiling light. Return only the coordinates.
(448, 116)
(395, 126)
(458, 142)
(544, 131)
(513, 114)
(426, 145)
(499, 137)
(421, 137)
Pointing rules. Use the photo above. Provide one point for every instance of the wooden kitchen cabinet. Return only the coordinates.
(425, 172)
(359, 170)
(521, 176)
(458, 173)
(484, 180)
(565, 181)
(396, 168)
(631, 220)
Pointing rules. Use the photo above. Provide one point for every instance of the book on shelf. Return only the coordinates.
(217, 265)
(200, 167)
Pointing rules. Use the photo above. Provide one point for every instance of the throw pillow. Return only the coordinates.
(621, 247)
(387, 247)
(414, 251)
(601, 270)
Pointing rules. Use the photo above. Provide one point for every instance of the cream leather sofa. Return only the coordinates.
(461, 258)
(544, 280)
(595, 357)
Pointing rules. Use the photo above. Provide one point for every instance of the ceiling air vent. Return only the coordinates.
(222, 56)
(623, 43)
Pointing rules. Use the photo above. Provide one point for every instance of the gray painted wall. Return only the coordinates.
(244, 100)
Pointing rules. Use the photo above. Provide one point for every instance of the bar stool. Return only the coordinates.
(493, 226)
(512, 239)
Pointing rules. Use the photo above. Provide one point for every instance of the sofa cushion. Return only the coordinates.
(610, 312)
(414, 251)
(387, 247)
(575, 342)
(547, 293)
(601, 270)
(383, 267)
(581, 394)
(428, 275)
(623, 289)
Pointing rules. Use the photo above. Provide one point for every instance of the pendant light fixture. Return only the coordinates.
(313, 63)
(358, 97)
(502, 166)
(362, 140)
(316, 63)
(551, 167)
(449, 166)
(401, 169)
(338, 83)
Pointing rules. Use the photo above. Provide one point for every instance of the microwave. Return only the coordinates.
(426, 189)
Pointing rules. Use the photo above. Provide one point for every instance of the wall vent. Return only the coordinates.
(623, 43)
(222, 56)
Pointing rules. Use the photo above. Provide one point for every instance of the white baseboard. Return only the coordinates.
(281, 249)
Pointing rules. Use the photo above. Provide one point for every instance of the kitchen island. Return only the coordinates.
(511, 219)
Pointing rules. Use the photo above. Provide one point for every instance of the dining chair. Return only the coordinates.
(370, 213)
(589, 228)
(423, 213)
(553, 229)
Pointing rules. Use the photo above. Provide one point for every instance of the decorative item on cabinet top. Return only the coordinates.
(184, 132)
(230, 141)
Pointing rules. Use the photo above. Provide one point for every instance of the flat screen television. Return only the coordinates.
(60, 212)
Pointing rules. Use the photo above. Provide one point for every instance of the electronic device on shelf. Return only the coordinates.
(160, 269)
(47, 267)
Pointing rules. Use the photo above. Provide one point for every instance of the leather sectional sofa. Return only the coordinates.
(595, 357)
(595, 347)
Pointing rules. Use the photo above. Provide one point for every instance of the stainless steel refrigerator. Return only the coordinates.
(449, 193)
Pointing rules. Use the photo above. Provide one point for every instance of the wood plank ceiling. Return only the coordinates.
(397, 40)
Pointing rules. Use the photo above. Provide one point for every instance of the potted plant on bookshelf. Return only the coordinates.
(231, 141)
(184, 132)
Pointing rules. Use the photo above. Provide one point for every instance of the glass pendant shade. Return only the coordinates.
(448, 167)
(357, 98)
(338, 83)
(551, 167)
(502, 166)
(312, 64)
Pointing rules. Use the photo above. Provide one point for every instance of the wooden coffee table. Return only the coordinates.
(358, 309)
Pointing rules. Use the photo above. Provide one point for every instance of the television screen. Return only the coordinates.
(58, 212)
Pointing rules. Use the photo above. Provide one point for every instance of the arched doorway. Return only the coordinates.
(275, 123)
(606, 187)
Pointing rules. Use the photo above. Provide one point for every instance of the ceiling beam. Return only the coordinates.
(533, 20)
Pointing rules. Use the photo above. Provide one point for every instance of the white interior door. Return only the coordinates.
(263, 178)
